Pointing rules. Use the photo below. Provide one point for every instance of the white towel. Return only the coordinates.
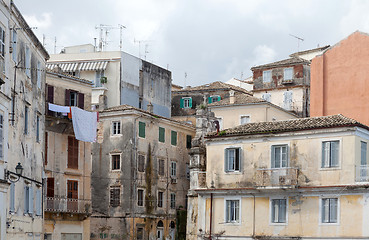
(58, 108)
(84, 124)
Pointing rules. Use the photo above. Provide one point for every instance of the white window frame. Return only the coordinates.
(321, 210)
(173, 170)
(215, 96)
(238, 222)
(271, 210)
(114, 131)
(272, 147)
(226, 160)
(186, 102)
(339, 154)
(267, 76)
(266, 97)
(73, 96)
(287, 72)
(2, 41)
(247, 116)
(111, 162)
(171, 200)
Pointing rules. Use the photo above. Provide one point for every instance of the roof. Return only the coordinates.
(292, 125)
(240, 98)
(125, 107)
(53, 72)
(285, 62)
(296, 54)
(214, 86)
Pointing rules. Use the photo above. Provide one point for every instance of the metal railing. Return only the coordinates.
(277, 177)
(362, 173)
(68, 205)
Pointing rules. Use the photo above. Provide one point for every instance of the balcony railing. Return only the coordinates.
(362, 173)
(277, 177)
(68, 205)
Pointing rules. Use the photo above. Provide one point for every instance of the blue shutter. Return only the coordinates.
(26, 202)
(12, 197)
(226, 160)
(30, 205)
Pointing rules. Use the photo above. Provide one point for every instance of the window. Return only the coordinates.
(188, 141)
(140, 197)
(363, 156)
(232, 211)
(279, 156)
(26, 112)
(72, 152)
(287, 100)
(28, 62)
(99, 74)
(115, 196)
(173, 169)
(244, 119)
(50, 187)
(214, 98)
(140, 233)
(141, 129)
(279, 210)
(161, 134)
(329, 210)
(73, 99)
(28, 199)
(188, 171)
(266, 97)
(38, 72)
(161, 167)
(12, 197)
(160, 199)
(267, 76)
(116, 128)
(37, 128)
(46, 146)
(186, 102)
(38, 202)
(232, 159)
(115, 162)
(172, 200)
(72, 193)
(288, 74)
(174, 138)
(50, 98)
(330, 150)
(1, 136)
(141, 163)
(2, 42)
(14, 46)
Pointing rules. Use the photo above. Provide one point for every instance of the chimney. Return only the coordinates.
(231, 97)
(103, 102)
(150, 107)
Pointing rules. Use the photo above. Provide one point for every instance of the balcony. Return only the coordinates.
(68, 205)
(277, 177)
(362, 173)
(287, 81)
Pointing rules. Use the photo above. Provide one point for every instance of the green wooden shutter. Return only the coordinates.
(219, 98)
(181, 103)
(141, 129)
(161, 134)
(209, 99)
(190, 102)
(174, 138)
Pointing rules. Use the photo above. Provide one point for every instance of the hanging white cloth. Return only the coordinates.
(84, 124)
(58, 108)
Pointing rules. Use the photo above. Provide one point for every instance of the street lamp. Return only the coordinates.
(18, 173)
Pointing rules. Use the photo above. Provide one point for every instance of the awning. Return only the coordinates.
(80, 66)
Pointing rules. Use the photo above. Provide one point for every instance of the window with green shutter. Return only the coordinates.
(174, 138)
(186, 102)
(141, 129)
(161, 134)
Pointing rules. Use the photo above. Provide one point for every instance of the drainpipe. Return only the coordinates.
(253, 218)
(211, 214)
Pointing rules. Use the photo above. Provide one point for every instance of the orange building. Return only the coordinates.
(340, 79)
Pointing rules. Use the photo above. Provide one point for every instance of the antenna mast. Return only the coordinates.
(298, 41)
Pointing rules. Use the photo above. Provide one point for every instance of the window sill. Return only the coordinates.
(329, 224)
(330, 169)
(278, 224)
(116, 135)
(232, 223)
(235, 172)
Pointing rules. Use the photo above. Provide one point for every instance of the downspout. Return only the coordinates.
(13, 102)
(253, 218)
(211, 215)
(133, 166)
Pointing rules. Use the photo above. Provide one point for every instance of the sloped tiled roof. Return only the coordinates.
(214, 86)
(309, 51)
(285, 62)
(240, 98)
(289, 126)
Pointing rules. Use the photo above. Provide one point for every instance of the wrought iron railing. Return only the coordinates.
(69, 205)
(277, 177)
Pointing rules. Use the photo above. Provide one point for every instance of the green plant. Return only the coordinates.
(103, 79)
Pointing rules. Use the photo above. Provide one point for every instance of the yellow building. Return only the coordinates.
(296, 179)
(67, 162)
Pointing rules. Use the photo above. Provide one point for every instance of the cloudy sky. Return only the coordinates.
(210, 40)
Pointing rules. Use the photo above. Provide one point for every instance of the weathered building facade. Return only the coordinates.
(185, 101)
(285, 83)
(339, 79)
(121, 77)
(67, 162)
(295, 179)
(140, 175)
(22, 107)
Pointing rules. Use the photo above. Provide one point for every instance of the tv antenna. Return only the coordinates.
(104, 31)
(139, 46)
(298, 41)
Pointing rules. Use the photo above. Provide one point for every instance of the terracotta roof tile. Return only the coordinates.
(214, 86)
(240, 98)
(290, 126)
(289, 61)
